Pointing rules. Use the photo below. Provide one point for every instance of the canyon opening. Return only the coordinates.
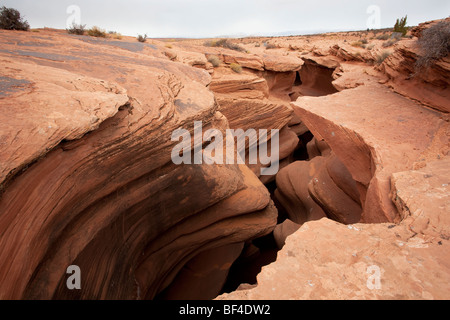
(286, 167)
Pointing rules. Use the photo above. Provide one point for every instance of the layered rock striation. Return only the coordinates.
(88, 179)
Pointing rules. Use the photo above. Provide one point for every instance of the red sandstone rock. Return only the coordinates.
(193, 59)
(35, 121)
(422, 197)
(281, 63)
(288, 142)
(370, 146)
(203, 276)
(280, 84)
(417, 30)
(317, 76)
(346, 53)
(111, 201)
(317, 148)
(327, 260)
(292, 190)
(334, 189)
(284, 230)
(101, 192)
(324, 182)
(254, 113)
(429, 85)
(245, 60)
(241, 86)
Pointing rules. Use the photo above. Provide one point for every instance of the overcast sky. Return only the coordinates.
(209, 18)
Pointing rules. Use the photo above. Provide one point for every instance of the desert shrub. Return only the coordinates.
(214, 60)
(370, 46)
(210, 43)
(271, 46)
(142, 38)
(434, 44)
(400, 26)
(224, 43)
(382, 56)
(389, 43)
(236, 67)
(76, 29)
(396, 35)
(364, 41)
(383, 36)
(10, 19)
(96, 32)
(358, 44)
(168, 45)
(115, 35)
(257, 45)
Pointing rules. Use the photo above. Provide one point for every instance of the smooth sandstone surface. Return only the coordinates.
(374, 132)
(396, 151)
(90, 178)
(328, 260)
(86, 176)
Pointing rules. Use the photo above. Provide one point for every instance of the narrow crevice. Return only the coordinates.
(262, 251)
(312, 80)
(301, 153)
(256, 254)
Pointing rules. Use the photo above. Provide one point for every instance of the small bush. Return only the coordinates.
(382, 56)
(224, 43)
(236, 67)
(257, 45)
(115, 35)
(210, 43)
(10, 19)
(400, 26)
(396, 35)
(271, 46)
(358, 44)
(141, 38)
(364, 41)
(389, 43)
(434, 44)
(383, 36)
(370, 46)
(77, 29)
(96, 32)
(214, 60)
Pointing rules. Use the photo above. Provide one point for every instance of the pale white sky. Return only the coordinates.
(209, 18)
